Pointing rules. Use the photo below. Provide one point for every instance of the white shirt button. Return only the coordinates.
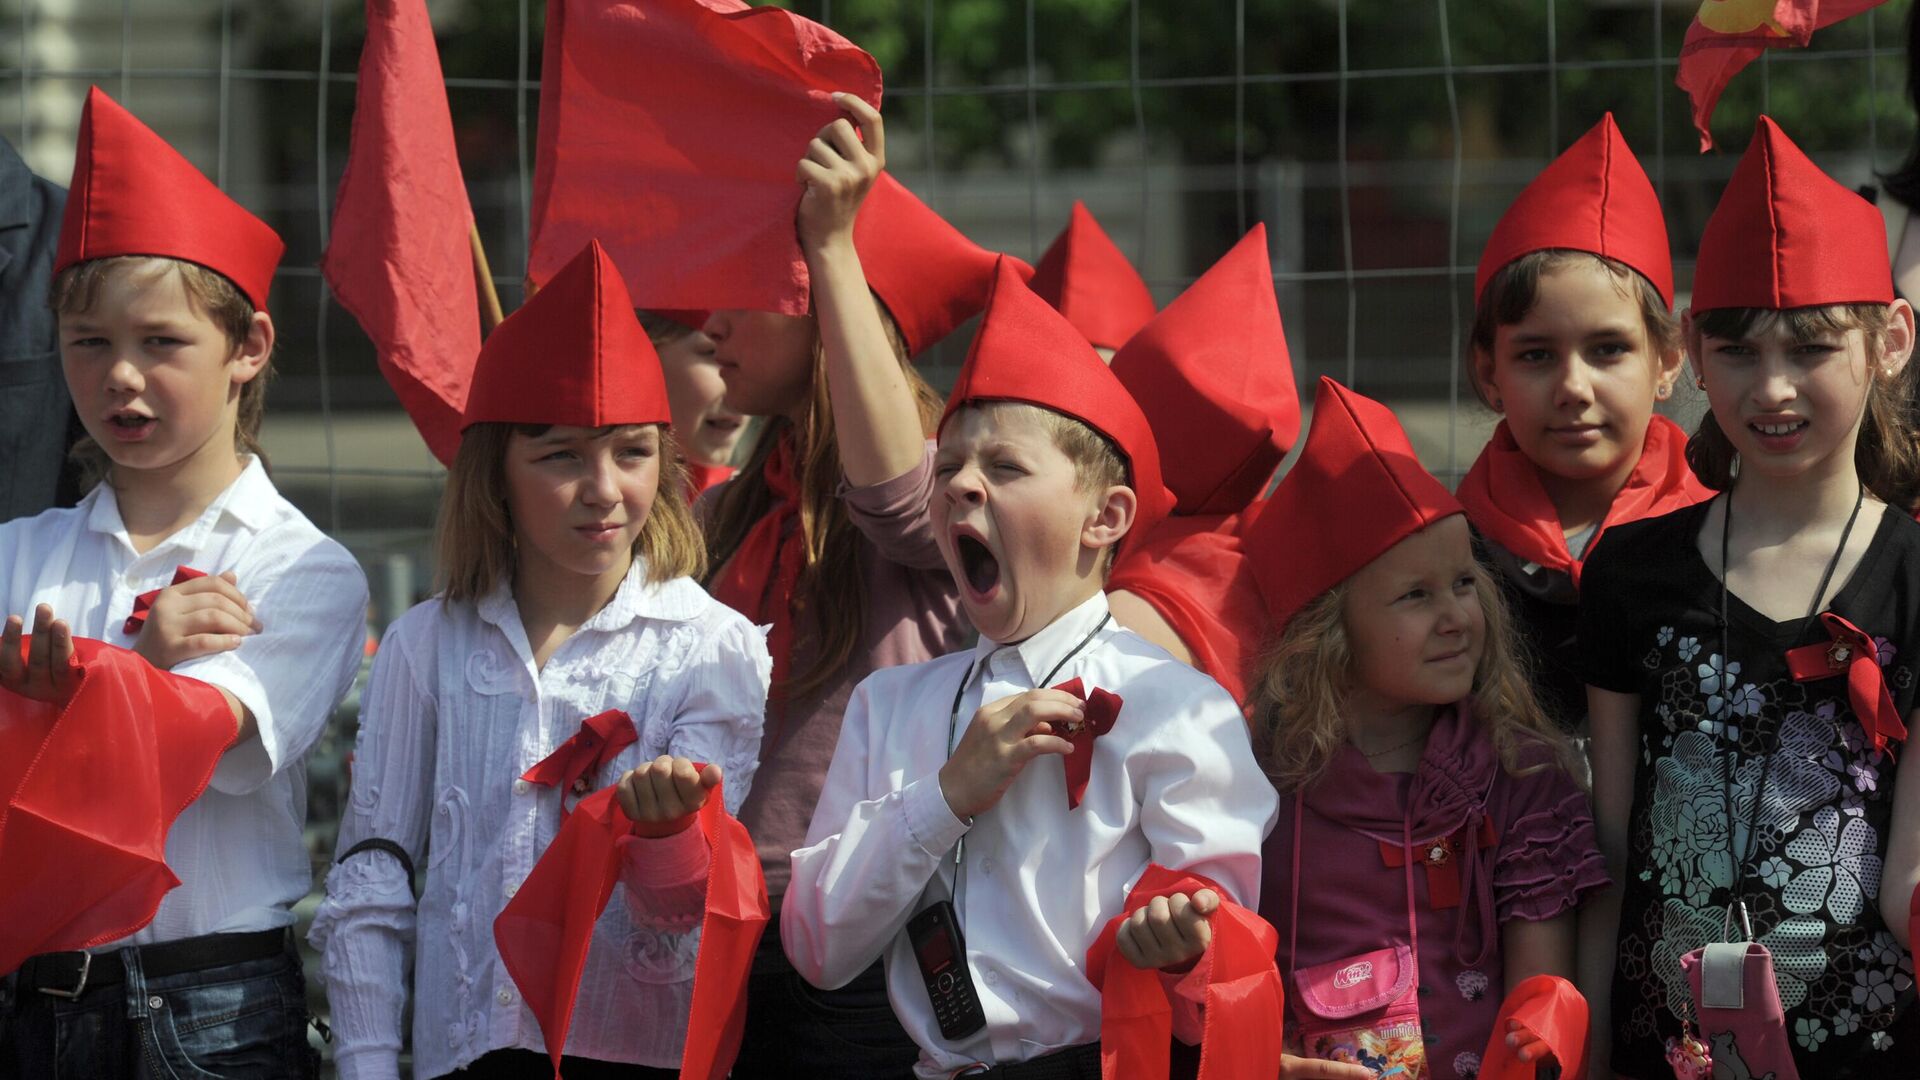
(993, 978)
(504, 997)
(521, 787)
(511, 889)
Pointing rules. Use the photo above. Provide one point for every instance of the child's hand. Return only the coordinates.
(1170, 931)
(47, 672)
(1301, 1068)
(1526, 1044)
(661, 797)
(839, 170)
(196, 618)
(999, 742)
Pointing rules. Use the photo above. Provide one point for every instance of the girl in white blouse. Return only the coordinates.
(566, 549)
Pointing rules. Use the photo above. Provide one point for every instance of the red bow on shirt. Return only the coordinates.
(80, 867)
(143, 604)
(1244, 1002)
(599, 740)
(1103, 709)
(1551, 1008)
(544, 931)
(1853, 652)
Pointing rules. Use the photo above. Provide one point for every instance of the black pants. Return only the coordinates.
(527, 1065)
(795, 1029)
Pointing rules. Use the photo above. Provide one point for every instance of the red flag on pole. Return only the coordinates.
(400, 257)
(669, 132)
(1726, 35)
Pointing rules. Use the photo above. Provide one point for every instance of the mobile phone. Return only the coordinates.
(941, 953)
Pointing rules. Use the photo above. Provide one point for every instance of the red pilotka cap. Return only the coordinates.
(573, 354)
(930, 276)
(1086, 278)
(1028, 352)
(1787, 235)
(1213, 375)
(1357, 490)
(133, 194)
(1595, 197)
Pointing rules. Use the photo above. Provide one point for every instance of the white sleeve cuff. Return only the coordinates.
(245, 766)
(930, 821)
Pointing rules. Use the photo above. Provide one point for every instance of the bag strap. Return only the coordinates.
(1406, 864)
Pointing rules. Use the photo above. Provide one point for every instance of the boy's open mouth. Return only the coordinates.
(977, 562)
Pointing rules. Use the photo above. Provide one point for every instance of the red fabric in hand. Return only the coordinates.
(1551, 1008)
(1103, 709)
(143, 604)
(1854, 653)
(1244, 1001)
(545, 930)
(600, 739)
(84, 866)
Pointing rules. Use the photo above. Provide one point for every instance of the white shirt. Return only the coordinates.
(237, 849)
(1174, 782)
(454, 712)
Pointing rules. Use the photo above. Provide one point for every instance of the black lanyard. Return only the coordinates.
(1726, 686)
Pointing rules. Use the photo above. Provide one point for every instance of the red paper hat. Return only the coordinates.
(1357, 490)
(1787, 235)
(1088, 280)
(930, 276)
(1028, 352)
(1594, 197)
(572, 354)
(132, 194)
(1213, 376)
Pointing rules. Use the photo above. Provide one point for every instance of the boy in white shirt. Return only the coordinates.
(1045, 464)
(160, 288)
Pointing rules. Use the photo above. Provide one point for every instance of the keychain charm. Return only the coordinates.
(1688, 1056)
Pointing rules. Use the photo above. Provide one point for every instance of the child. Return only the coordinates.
(1084, 275)
(568, 554)
(160, 289)
(1743, 748)
(1045, 464)
(1400, 730)
(1573, 342)
(705, 431)
(1212, 374)
(825, 534)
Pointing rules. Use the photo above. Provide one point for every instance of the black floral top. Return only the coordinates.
(1649, 626)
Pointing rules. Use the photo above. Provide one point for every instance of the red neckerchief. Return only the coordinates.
(600, 739)
(1192, 570)
(1506, 502)
(1855, 654)
(701, 477)
(545, 930)
(759, 580)
(82, 866)
(1244, 1004)
(1551, 1008)
(1103, 709)
(143, 604)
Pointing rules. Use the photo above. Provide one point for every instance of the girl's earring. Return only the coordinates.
(1663, 391)
(1700, 381)
(1497, 405)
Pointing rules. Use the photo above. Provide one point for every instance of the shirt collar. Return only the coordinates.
(248, 499)
(1045, 649)
(677, 599)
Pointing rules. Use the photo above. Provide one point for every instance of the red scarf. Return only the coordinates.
(701, 477)
(1244, 1004)
(600, 739)
(1855, 654)
(143, 604)
(84, 866)
(1551, 1008)
(759, 580)
(1193, 571)
(1507, 503)
(544, 931)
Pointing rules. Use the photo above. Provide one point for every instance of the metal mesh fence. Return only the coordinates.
(1379, 142)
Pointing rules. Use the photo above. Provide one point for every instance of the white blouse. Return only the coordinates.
(454, 712)
(238, 848)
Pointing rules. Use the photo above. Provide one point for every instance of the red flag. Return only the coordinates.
(83, 865)
(1726, 35)
(401, 254)
(669, 131)
(544, 931)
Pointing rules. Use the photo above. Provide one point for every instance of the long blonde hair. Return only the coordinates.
(1305, 677)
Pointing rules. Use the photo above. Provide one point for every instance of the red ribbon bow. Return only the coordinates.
(599, 740)
(143, 604)
(1240, 1037)
(1854, 653)
(545, 930)
(1551, 1008)
(1103, 709)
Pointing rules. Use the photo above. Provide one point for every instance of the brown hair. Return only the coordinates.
(212, 296)
(662, 330)
(1886, 455)
(831, 588)
(475, 541)
(1304, 678)
(1512, 290)
(1098, 463)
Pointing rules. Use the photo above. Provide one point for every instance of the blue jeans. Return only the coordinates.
(236, 1021)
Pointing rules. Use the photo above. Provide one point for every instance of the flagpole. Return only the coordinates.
(490, 314)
